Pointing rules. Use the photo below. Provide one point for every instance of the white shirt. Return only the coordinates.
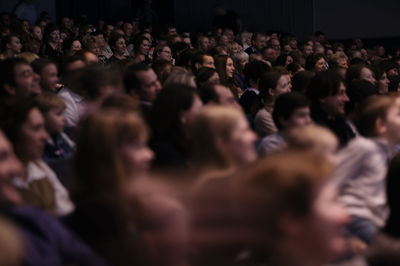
(75, 106)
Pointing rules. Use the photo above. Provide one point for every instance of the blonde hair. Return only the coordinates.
(181, 78)
(212, 124)
(28, 56)
(49, 100)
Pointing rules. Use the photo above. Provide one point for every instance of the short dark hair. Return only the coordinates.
(254, 70)
(41, 63)
(286, 104)
(131, 81)
(324, 84)
(7, 71)
(203, 74)
(267, 81)
(312, 60)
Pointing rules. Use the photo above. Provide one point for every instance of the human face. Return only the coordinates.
(225, 96)
(229, 68)
(15, 45)
(260, 42)
(366, 74)
(383, 84)
(55, 120)
(320, 65)
(76, 46)
(276, 44)
(49, 78)
(10, 167)
(150, 85)
(128, 29)
(284, 85)
(95, 49)
(240, 144)
(208, 61)
(120, 46)
(289, 60)
(166, 53)
(269, 55)
(33, 137)
(100, 40)
(299, 118)
(334, 104)
(54, 36)
(307, 50)
(136, 156)
(324, 228)
(188, 116)
(27, 81)
(37, 32)
(204, 44)
(144, 47)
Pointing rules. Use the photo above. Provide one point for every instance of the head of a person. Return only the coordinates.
(94, 90)
(284, 60)
(382, 81)
(301, 214)
(142, 82)
(52, 108)
(240, 60)
(117, 44)
(301, 80)
(48, 72)
(174, 108)
(217, 94)
(177, 77)
(359, 90)
(259, 41)
(203, 43)
(360, 71)
(379, 116)
(269, 54)
(328, 93)
(225, 67)
(273, 84)
(164, 52)
(90, 44)
(51, 34)
(71, 65)
(24, 126)
(162, 68)
(71, 46)
(17, 78)
(127, 27)
(316, 62)
(11, 44)
(253, 71)
(315, 139)
(226, 134)
(291, 110)
(102, 171)
(201, 59)
(141, 45)
(206, 76)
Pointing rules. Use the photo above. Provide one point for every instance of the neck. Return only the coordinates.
(53, 45)
(9, 54)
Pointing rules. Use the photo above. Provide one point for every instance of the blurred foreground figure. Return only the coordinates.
(282, 212)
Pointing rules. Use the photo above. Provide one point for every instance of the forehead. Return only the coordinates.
(146, 75)
(21, 68)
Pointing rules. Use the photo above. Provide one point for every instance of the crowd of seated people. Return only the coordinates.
(123, 145)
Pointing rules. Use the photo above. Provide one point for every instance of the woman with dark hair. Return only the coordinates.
(360, 71)
(174, 108)
(271, 85)
(10, 46)
(51, 44)
(225, 68)
(141, 46)
(39, 186)
(316, 63)
(382, 81)
(118, 46)
(71, 46)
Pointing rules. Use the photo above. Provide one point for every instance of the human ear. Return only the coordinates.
(10, 90)
(380, 126)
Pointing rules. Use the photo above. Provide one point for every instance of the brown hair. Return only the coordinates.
(369, 111)
(49, 100)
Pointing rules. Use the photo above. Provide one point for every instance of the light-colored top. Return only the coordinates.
(272, 143)
(38, 171)
(264, 124)
(361, 175)
(75, 106)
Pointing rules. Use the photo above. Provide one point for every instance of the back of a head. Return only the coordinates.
(253, 70)
(286, 104)
(358, 90)
(131, 80)
(367, 113)
(301, 81)
(213, 124)
(99, 171)
(324, 84)
(268, 80)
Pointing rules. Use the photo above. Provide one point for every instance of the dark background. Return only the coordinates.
(339, 19)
